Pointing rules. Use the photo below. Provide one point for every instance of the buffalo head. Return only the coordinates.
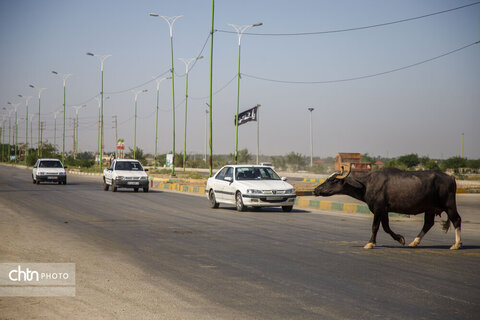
(337, 183)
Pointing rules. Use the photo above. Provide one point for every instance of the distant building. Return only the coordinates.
(354, 160)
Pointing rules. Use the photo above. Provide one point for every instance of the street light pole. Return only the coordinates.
(102, 60)
(9, 133)
(40, 90)
(76, 108)
(206, 134)
(135, 126)
(311, 137)
(3, 136)
(64, 77)
(55, 129)
(187, 65)
(171, 21)
(156, 120)
(210, 142)
(240, 30)
(26, 125)
(15, 129)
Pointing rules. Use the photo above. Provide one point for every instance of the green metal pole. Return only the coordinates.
(76, 139)
(156, 129)
(173, 103)
(31, 132)
(9, 137)
(26, 134)
(64, 113)
(55, 133)
(185, 127)
(101, 123)
(38, 146)
(211, 93)
(238, 102)
(98, 131)
(135, 132)
(16, 135)
(1, 139)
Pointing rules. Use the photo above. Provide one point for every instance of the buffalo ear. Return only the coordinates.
(355, 183)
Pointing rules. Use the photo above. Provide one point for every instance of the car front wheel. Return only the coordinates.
(239, 202)
(213, 201)
(105, 185)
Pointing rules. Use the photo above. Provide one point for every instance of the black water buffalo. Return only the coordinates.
(393, 190)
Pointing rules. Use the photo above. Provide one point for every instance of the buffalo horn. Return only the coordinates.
(344, 173)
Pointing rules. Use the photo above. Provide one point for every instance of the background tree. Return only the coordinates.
(138, 154)
(409, 160)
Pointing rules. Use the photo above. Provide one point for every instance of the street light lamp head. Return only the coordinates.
(311, 109)
(31, 86)
(54, 72)
(257, 24)
(90, 54)
(154, 14)
(200, 57)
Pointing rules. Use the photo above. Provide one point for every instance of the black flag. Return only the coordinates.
(246, 116)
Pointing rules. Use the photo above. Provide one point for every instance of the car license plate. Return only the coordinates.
(272, 198)
(133, 183)
(51, 178)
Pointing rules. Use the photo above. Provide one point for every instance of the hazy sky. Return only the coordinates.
(423, 109)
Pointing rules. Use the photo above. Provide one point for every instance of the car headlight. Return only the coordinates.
(61, 173)
(121, 178)
(290, 191)
(143, 178)
(254, 191)
(40, 173)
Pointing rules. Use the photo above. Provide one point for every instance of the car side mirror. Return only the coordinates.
(284, 178)
(146, 170)
(35, 167)
(65, 167)
(229, 179)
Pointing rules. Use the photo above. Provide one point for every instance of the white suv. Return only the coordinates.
(51, 170)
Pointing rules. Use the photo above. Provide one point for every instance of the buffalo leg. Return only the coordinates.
(429, 221)
(375, 225)
(454, 217)
(386, 228)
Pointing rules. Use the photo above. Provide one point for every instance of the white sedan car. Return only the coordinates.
(250, 185)
(49, 170)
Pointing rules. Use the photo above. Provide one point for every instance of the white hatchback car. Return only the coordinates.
(250, 185)
(51, 170)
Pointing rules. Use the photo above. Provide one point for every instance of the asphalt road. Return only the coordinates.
(222, 264)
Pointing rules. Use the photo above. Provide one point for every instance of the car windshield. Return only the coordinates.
(50, 164)
(255, 173)
(129, 166)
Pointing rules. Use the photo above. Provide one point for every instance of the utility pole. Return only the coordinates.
(461, 151)
(116, 135)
